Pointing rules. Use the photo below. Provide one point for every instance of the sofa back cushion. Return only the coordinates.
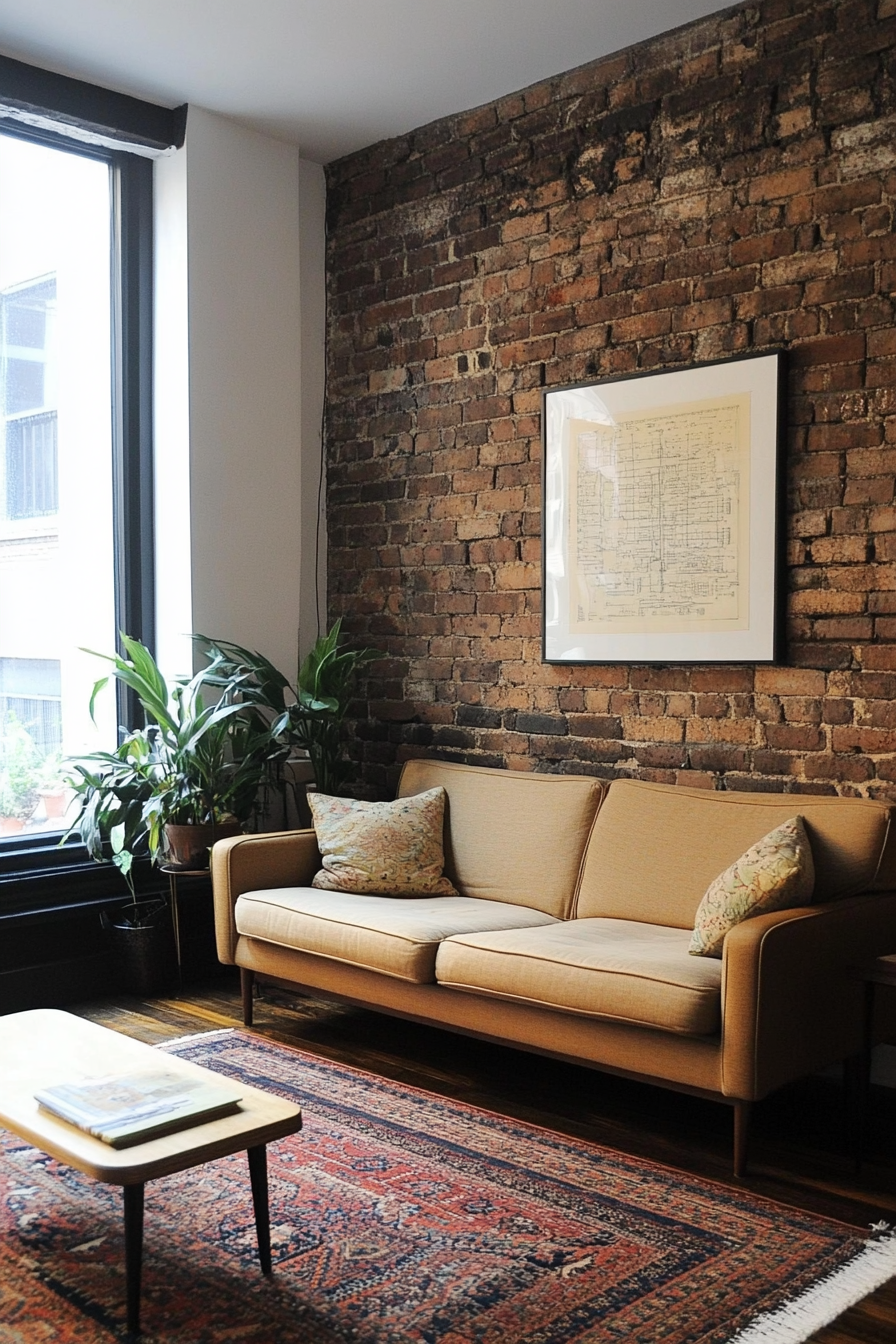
(510, 836)
(655, 848)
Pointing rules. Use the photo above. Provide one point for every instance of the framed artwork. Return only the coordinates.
(660, 515)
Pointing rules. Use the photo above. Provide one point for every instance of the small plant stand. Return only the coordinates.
(173, 875)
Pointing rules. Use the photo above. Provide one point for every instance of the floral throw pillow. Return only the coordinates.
(777, 873)
(381, 849)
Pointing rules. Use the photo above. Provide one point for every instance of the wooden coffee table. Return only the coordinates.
(46, 1046)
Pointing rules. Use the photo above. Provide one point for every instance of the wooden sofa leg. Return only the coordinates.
(742, 1113)
(247, 985)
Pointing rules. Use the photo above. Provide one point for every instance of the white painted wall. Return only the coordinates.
(239, 368)
(245, 399)
(171, 418)
(244, 351)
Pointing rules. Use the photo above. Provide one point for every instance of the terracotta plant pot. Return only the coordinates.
(11, 825)
(187, 847)
(54, 801)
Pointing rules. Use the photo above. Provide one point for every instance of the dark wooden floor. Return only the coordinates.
(800, 1149)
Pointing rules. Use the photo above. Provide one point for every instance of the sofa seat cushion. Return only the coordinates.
(613, 968)
(398, 938)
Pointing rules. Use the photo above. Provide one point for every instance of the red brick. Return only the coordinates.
(854, 769)
(834, 438)
(595, 725)
(818, 601)
(734, 731)
(636, 729)
(872, 740)
(762, 247)
(800, 267)
(794, 737)
(840, 628)
(524, 226)
(789, 681)
(491, 287)
(641, 327)
(710, 313)
(777, 186)
(840, 550)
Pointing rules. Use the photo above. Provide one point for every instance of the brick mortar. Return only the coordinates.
(725, 188)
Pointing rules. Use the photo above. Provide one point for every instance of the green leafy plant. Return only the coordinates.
(20, 770)
(308, 715)
(206, 765)
(192, 763)
(114, 789)
(50, 772)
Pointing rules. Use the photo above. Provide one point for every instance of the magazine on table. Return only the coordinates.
(128, 1108)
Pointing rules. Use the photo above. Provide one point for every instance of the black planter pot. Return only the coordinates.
(144, 953)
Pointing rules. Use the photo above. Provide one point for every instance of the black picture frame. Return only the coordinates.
(661, 515)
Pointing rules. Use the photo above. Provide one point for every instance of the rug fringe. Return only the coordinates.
(195, 1036)
(797, 1321)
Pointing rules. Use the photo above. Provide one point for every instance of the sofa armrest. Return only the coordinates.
(792, 992)
(256, 863)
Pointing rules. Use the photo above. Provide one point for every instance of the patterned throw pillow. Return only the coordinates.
(381, 849)
(777, 873)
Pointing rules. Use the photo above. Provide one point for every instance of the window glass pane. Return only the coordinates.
(56, 528)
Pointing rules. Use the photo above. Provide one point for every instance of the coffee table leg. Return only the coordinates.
(258, 1175)
(133, 1251)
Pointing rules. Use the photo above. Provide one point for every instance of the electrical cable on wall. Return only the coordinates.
(321, 475)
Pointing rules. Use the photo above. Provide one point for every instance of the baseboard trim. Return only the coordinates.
(54, 983)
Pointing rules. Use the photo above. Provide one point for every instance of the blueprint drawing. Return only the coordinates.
(659, 519)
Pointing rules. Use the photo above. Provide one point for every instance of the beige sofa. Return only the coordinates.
(571, 931)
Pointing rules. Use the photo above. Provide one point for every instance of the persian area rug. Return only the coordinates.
(399, 1217)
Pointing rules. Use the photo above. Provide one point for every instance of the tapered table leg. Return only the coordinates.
(133, 1251)
(258, 1174)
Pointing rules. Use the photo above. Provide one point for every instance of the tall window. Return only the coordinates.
(75, 428)
(57, 533)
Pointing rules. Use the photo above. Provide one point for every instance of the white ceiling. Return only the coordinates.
(330, 75)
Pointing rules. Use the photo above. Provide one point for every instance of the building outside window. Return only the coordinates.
(57, 548)
(27, 321)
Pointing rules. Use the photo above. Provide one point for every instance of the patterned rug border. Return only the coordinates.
(792, 1323)
(727, 1188)
(206, 1035)
(797, 1321)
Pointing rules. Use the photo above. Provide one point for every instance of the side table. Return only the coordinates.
(881, 971)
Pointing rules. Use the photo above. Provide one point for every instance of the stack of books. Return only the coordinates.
(125, 1109)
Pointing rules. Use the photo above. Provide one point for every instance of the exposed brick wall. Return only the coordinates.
(726, 188)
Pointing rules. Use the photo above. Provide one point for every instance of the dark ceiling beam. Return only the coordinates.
(89, 113)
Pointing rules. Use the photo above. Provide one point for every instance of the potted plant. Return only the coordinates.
(192, 767)
(113, 791)
(51, 786)
(200, 764)
(20, 763)
(14, 809)
(308, 715)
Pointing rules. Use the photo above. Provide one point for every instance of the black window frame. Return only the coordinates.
(37, 875)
